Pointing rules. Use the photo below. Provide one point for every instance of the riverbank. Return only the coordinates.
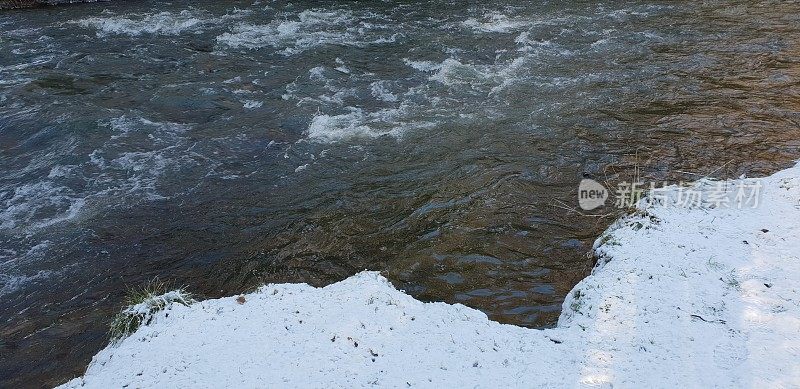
(17, 4)
(702, 296)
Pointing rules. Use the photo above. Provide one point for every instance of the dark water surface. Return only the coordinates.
(221, 145)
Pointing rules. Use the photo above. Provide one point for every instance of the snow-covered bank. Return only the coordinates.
(699, 297)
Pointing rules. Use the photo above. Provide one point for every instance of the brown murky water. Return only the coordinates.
(224, 145)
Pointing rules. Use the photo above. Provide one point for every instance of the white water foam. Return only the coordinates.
(496, 23)
(11, 283)
(487, 77)
(11, 277)
(382, 90)
(337, 127)
(138, 172)
(359, 124)
(163, 23)
(293, 34)
(37, 205)
(115, 169)
(252, 104)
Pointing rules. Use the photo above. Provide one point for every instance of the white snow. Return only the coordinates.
(702, 297)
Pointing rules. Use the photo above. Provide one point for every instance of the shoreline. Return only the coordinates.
(694, 296)
(6, 5)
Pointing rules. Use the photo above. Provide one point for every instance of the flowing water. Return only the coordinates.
(221, 145)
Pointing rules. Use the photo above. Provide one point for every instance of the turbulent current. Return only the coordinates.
(222, 145)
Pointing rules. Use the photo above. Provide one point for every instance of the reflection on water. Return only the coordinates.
(224, 145)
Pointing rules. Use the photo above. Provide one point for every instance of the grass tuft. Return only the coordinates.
(141, 306)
